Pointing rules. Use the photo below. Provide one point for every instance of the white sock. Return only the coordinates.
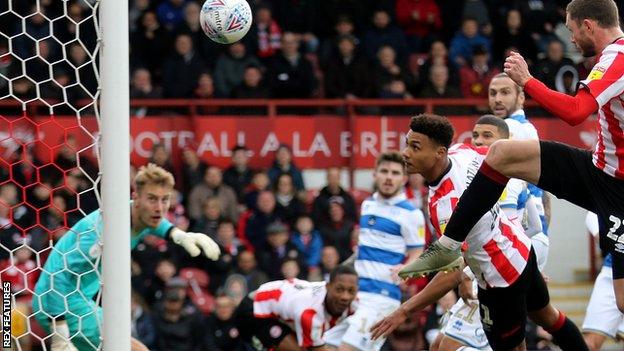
(449, 243)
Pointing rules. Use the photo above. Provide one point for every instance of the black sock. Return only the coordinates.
(480, 196)
(567, 335)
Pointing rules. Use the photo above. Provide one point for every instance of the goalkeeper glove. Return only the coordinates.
(193, 242)
(60, 337)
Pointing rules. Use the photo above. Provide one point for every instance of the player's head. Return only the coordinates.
(504, 95)
(341, 289)
(488, 129)
(389, 174)
(587, 20)
(427, 144)
(153, 186)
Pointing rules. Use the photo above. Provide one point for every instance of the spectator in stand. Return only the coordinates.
(478, 10)
(210, 218)
(221, 332)
(277, 251)
(290, 269)
(329, 260)
(283, 164)
(254, 227)
(212, 185)
(384, 33)
(207, 49)
(193, 170)
(329, 47)
(309, 242)
(154, 287)
(252, 87)
(551, 70)
(544, 16)
(171, 14)
(465, 41)
(438, 88)
(320, 206)
(226, 238)
(288, 207)
(141, 88)
(387, 72)
(179, 325)
(236, 288)
(10, 235)
(475, 77)
(137, 9)
(259, 182)
(67, 158)
(420, 20)
(177, 212)
(182, 69)
(438, 55)
(84, 70)
(205, 90)
(151, 43)
(291, 75)
(346, 76)
(238, 175)
(142, 325)
(22, 272)
(161, 157)
(515, 35)
(297, 17)
(230, 68)
(338, 231)
(247, 267)
(265, 35)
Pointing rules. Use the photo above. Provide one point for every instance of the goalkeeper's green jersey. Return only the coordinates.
(72, 272)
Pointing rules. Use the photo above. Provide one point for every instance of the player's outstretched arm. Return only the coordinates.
(438, 287)
(571, 109)
(194, 243)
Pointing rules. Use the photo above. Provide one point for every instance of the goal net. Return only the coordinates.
(51, 154)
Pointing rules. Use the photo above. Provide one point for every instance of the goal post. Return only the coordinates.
(64, 152)
(115, 168)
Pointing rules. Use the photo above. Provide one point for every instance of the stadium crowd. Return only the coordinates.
(269, 225)
(296, 49)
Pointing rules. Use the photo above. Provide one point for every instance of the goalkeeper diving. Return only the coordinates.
(64, 300)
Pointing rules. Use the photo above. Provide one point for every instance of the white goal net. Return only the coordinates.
(50, 132)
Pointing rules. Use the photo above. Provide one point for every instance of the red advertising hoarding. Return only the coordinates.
(316, 141)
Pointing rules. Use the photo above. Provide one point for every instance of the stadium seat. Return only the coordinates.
(197, 291)
(195, 276)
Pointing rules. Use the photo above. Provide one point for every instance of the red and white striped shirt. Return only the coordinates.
(496, 249)
(301, 303)
(605, 83)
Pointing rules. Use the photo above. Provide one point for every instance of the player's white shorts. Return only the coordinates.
(602, 315)
(355, 330)
(463, 323)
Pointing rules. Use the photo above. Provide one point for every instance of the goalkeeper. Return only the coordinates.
(64, 299)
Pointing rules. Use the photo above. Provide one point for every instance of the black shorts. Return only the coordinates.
(504, 311)
(568, 173)
(269, 331)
